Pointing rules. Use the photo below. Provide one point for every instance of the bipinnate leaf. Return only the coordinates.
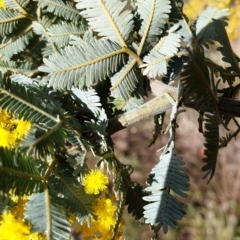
(18, 173)
(164, 208)
(156, 61)
(50, 218)
(154, 14)
(108, 18)
(85, 65)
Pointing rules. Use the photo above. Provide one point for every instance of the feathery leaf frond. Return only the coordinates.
(43, 139)
(59, 8)
(16, 67)
(211, 134)
(16, 44)
(157, 60)
(164, 209)
(216, 32)
(134, 201)
(17, 5)
(18, 173)
(19, 100)
(125, 81)
(89, 97)
(61, 33)
(79, 66)
(9, 20)
(206, 18)
(176, 16)
(154, 14)
(73, 195)
(51, 218)
(196, 83)
(109, 18)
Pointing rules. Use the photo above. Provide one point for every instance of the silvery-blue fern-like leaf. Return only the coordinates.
(125, 81)
(163, 211)
(89, 97)
(59, 8)
(156, 61)
(83, 65)
(16, 44)
(87, 37)
(207, 16)
(50, 219)
(169, 174)
(16, 67)
(135, 100)
(109, 18)
(61, 33)
(9, 20)
(17, 5)
(154, 14)
(41, 27)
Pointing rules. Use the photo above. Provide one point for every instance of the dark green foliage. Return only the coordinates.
(18, 173)
(134, 200)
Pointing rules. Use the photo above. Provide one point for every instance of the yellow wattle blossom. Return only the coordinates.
(95, 182)
(12, 228)
(12, 225)
(193, 8)
(2, 5)
(102, 227)
(12, 130)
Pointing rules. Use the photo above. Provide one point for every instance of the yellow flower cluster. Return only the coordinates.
(13, 227)
(193, 8)
(12, 130)
(104, 208)
(2, 5)
(95, 182)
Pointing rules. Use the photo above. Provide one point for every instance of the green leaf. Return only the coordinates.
(16, 67)
(134, 201)
(18, 173)
(157, 60)
(206, 18)
(24, 102)
(17, 5)
(5, 203)
(43, 139)
(126, 81)
(177, 17)
(89, 97)
(85, 65)
(211, 134)
(59, 8)
(16, 44)
(196, 82)
(109, 18)
(165, 210)
(61, 33)
(72, 194)
(154, 14)
(9, 20)
(50, 217)
(168, 174)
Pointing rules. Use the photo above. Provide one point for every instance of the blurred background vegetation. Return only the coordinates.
(213, 209)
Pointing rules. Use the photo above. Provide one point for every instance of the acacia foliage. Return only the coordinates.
(72, 68)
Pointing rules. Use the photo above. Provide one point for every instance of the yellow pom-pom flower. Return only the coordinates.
(12, 130)
(102, 227)
(13, 226)
(95, 182)
(2, 5)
